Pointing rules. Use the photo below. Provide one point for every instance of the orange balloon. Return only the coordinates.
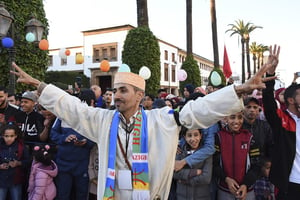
(79, 59)
(104, 66)
(67, 52)
(44, 45)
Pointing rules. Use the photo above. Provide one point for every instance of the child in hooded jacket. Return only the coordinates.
(14, 159)
(193, 183)
(43, 170)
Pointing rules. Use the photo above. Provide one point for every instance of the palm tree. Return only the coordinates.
(217, 71)
(142, 13)
(244, 31)
(254, 50)
(189, 28)
(214, 33)
(261, 50)
(190, 64)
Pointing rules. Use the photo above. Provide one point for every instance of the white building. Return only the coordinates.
(108, 43)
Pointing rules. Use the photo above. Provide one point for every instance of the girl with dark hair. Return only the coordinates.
(193, 182)
(14, 158)
(43, 170)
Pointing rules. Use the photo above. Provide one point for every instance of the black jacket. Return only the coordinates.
(262, 136)
(284, 133)
(10, 113)
(31, 125)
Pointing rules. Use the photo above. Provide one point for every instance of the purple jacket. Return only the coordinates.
(41, 185)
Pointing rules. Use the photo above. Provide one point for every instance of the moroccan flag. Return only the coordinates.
(226, 64)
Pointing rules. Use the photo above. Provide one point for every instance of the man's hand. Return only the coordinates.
(23, 77)
(257, 80)
(273, 59)
(233, 186)
(241, 193)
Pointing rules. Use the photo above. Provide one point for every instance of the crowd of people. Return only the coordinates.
(236, 142)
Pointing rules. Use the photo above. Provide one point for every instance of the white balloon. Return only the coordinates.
(145, 72)
(181, 75)
(62, 53)
(215, 78)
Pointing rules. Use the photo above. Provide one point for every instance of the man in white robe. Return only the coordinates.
(94, 123)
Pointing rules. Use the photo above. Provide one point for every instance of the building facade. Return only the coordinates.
(107, 43)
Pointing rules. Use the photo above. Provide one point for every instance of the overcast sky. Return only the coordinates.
(279, 19)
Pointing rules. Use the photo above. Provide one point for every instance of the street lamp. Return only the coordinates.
(5, 20)
(36, 27)
(33, 26)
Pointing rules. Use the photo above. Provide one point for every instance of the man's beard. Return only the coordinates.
(3, 104)
(297, 107)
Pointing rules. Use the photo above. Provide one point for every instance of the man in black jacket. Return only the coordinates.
(262, 133)
(8, 111)
(31, 122)
(285, 125)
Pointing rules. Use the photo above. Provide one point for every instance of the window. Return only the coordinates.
(104, 54)
(166, 70)
(113, 55)
(50, 60)
(173, 57)
(173, 72)
(63, 61)
(105, 51)
(96, 57)
(166, 55)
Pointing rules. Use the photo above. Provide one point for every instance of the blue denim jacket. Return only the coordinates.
(207, 149)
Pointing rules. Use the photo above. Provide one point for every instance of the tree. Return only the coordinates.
(214, 33)
(244, 31)
(254, 51)
(190, 64)
(142, 13)
(141, 49)
(64, 78)
(216, 70)
(257, 51)
(261, 49)
(189, 28)
(192, 69)
(27, 55)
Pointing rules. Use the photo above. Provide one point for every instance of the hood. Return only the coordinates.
(50, 170)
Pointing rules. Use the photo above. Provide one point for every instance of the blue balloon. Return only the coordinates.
(124, 68)
(7, 42)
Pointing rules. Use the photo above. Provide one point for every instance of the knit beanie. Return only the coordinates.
(190, 88)
(158, 103)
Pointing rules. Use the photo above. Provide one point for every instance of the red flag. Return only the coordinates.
(226, 64)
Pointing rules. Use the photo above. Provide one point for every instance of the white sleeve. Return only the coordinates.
(207, 110)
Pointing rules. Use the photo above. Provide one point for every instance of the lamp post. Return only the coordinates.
(33, 26)
(36, 27)
(5, 20)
